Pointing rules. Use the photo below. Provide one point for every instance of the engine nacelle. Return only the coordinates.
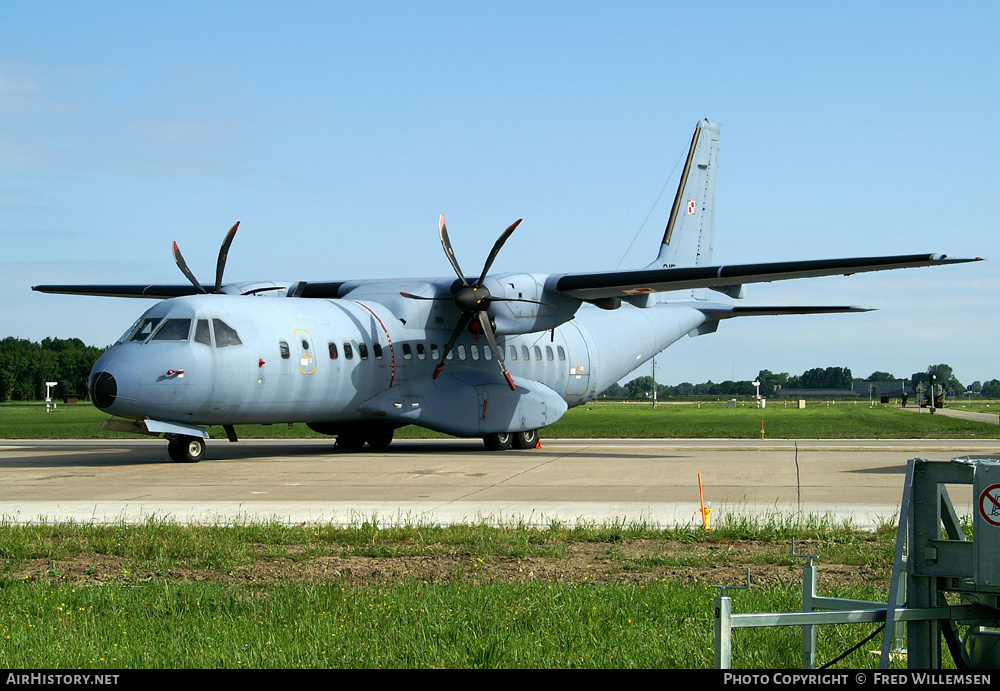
(541, 311)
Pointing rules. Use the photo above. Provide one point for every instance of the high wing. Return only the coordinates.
(587, 287)
(155, 292)
(319, 289)
(619, 284)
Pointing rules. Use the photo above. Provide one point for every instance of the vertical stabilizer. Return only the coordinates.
(690, 231)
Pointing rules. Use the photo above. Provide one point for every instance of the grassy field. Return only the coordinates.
(271, 596)
(709, 419)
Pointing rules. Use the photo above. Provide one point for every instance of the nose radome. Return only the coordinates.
(103, 390)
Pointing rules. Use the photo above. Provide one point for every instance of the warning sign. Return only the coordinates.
(989, 505)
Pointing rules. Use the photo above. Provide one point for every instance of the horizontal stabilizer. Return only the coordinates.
(725, 312)
(617, 283)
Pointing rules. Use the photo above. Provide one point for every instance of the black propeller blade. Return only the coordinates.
(473, 301)
(220, 266)
(182, 265)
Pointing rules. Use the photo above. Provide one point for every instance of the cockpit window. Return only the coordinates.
(202, 333)
(225, 335)
(173, 330)
(140, 332)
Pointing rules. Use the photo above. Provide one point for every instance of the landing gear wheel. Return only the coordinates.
(186, 449)
(526, 440)
(349, 441)
(498, 441)
(380, 438)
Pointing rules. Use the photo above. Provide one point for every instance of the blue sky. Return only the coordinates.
(337, 132)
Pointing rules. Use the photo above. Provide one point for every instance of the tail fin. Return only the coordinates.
(690, 232)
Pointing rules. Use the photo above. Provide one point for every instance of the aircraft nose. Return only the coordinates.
(103, 390)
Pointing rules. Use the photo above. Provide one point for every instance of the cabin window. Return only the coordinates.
(173, 330)
(525, 355)
(407, 352)
(562, 352)
(225, 335)
(487, 352)
(513, 353)
(333, 351)
(377, 347)
(348, 352)
(435, 353)
(548, 353)
(143, 328)
(305, 345)
(363, 351)
(283, 349)
(461, 352)
(538, 353)
(474, 349)
(421, 353)
(202, 333)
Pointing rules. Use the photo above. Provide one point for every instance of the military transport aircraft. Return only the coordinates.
(496, 356)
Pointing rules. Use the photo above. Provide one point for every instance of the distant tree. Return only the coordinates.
(25, 367)
(881, 376)
(991, 389)
(684, 389)
(614, 391)
(18, 369)
(769, 381)
(639, 387)
(829, 378)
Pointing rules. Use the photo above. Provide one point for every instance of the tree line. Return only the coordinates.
(772, 384)
(25, 366)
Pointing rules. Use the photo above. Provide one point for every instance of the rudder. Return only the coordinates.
(690, 233)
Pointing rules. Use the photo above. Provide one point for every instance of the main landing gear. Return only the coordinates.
(376, 437)
(501, 441)
(183, 449)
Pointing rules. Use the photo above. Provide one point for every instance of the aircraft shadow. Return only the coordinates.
(99, 455)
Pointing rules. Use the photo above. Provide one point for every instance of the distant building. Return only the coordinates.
(817, 393)
(885, 388)
(859, 389)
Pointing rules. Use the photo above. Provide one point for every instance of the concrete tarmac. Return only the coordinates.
(652, 481)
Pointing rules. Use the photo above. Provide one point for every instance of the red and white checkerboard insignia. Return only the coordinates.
(691, 207)
(638, 291)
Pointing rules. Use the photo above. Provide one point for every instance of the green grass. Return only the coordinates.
(819, 420)
(160, 595)
(992, 407)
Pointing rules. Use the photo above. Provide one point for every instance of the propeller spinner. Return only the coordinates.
(220, 266)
